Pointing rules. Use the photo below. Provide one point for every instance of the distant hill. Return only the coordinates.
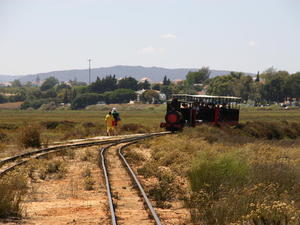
(8, 78)
(155, 74)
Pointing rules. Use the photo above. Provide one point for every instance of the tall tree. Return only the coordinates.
(167, 90)
(274, 89)
(166, 81)
(120, 95)
(108, 83)
(198, 77)
(150, 96)
(16, 83)
(257, 77)
(49, 83)
(293, 86)
(236, 75)
(256, 92)
(128, 83)
(156, 86)
(222, 85)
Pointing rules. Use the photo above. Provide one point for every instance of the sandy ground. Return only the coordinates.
(65, 201)
(11, 105)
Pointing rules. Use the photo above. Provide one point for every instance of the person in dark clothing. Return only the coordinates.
(117, 119)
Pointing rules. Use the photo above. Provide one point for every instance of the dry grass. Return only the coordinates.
(13, 189)
(29, 136)
(60, 125)
(47, 168)
(233, 176)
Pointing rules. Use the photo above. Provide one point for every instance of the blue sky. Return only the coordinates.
(241, 35)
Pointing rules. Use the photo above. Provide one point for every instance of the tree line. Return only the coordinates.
(268, 87)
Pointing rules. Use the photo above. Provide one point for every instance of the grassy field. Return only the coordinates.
(61, 125)
(270, 115)
(145, 115)
(148, 116)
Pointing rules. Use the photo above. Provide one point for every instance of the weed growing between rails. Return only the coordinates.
(225, 175)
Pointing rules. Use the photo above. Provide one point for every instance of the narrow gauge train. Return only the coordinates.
(190, 110)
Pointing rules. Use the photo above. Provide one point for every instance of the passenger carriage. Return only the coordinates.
(190, 110)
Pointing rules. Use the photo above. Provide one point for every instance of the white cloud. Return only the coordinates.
(151, 50)
(168, 36)
(252, 43)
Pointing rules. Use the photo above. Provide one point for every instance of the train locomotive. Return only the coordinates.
(191, 110)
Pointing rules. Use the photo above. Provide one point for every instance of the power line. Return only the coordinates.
(89, 71)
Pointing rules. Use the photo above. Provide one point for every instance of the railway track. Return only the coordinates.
(125, 201)
(145, 211)
(10, 163)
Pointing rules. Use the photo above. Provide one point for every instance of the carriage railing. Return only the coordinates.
(222, 101)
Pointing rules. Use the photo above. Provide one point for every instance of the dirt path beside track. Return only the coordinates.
(65, 201)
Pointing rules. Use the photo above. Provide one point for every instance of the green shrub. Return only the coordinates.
(211, 171)
(49, 106)
(83, 100)
(35, 104)
(120, 95)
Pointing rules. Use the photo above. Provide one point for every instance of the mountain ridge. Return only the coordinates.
(155, 74)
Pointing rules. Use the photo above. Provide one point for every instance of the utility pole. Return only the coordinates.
(90, 71)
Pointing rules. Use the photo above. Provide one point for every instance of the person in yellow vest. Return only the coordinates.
(109, 119)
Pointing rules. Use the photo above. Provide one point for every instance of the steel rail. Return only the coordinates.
(8, 169)
(59, 147)
(106, 177)
(140, 187)
(108, 188)
(42, 152)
